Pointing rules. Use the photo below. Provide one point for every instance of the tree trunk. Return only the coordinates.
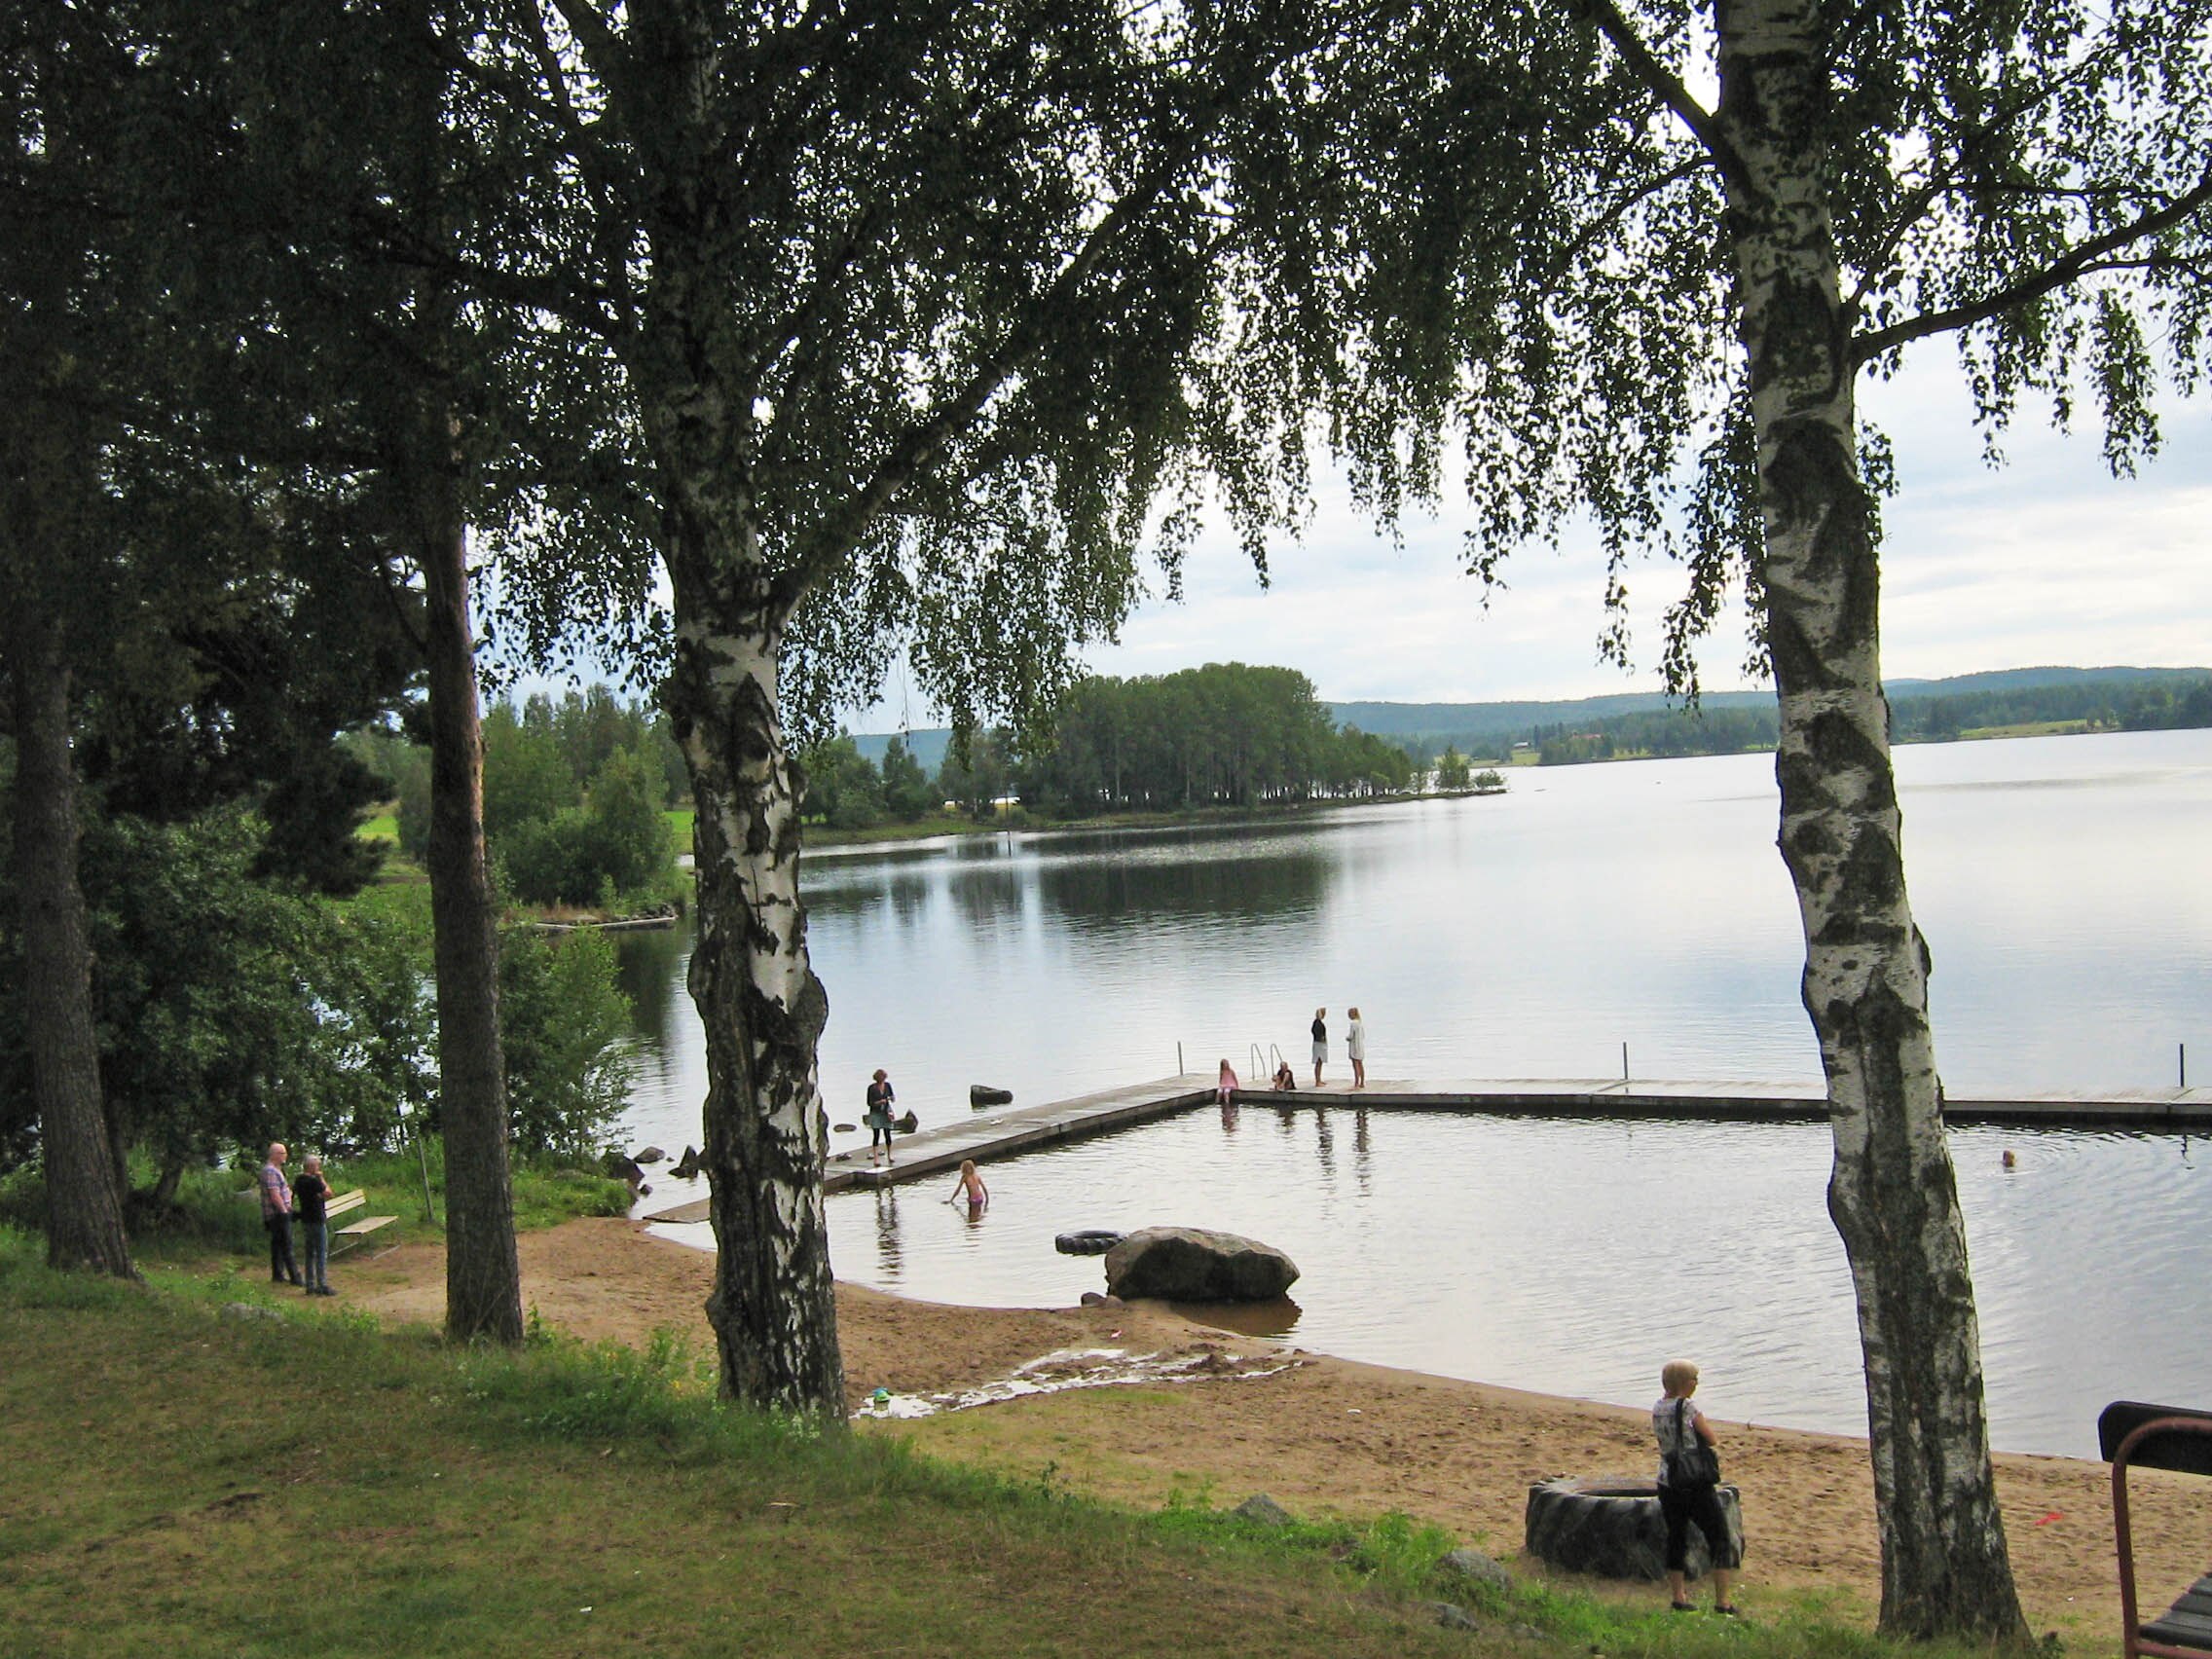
(84, 1226)
(1945, 1570)
(773, 1307)
(483, 1278)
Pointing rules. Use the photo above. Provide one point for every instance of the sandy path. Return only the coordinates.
(1329, 1436)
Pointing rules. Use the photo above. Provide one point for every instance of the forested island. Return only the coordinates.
(575, 788)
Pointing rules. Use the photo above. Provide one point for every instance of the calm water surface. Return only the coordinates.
(2061, 883)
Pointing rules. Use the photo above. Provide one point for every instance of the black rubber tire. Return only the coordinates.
(1612, 1528)
(1093, 1242)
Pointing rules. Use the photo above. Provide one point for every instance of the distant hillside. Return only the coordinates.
(927, 747)
(1477, 727)
(1494, 728)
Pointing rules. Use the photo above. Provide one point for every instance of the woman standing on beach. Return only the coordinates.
(1687, 1494)
(1355, 1045)
(1321, 1042)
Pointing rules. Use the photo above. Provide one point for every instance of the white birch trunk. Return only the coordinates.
(1945, 1568)
(773, 1307)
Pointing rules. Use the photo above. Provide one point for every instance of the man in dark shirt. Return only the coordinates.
(313, 1194)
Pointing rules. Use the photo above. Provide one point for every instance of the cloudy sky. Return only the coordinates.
(2047, 559)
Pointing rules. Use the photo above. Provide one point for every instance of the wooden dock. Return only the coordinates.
(1008, 1131)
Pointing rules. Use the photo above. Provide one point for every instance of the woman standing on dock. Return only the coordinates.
(1321, 1043)
(1356, 1047)
(880, 1098)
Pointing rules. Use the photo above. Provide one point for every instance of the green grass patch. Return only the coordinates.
(384, 826)
(187, 1481)
(191, 1476)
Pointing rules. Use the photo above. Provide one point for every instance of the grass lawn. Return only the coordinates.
(188, 1477)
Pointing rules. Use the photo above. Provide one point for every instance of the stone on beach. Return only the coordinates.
(1263, 1509)
(1191, 1264)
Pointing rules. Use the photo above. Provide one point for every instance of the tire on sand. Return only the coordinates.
(1611, 1527)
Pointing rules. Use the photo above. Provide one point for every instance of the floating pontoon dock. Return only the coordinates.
(1006, 1131)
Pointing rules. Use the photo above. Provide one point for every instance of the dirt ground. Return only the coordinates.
(1327, 1436)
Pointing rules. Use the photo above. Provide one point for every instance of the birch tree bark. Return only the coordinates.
(773, 1307)
(1945, 1568)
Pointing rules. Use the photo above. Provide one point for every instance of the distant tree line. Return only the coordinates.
(2168, 701)
(1225, 735)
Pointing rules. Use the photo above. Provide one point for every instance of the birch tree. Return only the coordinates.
(2033, 180)
(920, 313)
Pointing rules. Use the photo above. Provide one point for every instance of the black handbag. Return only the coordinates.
(1696, 1464)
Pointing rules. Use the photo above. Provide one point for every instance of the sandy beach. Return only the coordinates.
(1327, 1436)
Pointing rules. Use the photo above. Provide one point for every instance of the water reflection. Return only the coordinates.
(1516, 1251)
(887, 1243)
(1531, 935)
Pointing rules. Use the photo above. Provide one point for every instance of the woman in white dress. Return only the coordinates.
(1355, 1045)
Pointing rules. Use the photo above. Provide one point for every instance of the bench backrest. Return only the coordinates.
(2188, 1450)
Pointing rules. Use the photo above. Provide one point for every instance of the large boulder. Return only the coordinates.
(1190, 1264)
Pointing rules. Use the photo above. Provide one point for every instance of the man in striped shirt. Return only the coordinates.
(276, 1216)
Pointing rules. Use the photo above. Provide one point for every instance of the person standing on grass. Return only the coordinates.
(277, 1217)
(1356, 1047)
(1678, 1427)
(879, 1099)
(312, 1194)
(1321, 1043)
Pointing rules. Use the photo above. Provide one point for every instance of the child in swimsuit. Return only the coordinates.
(971, 1187)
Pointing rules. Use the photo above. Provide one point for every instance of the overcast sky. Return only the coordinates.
(2047, 559)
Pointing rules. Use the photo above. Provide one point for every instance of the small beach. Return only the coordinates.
(1325, 1436)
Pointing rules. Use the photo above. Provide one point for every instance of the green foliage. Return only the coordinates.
(565, 1028)
(1451, 769)
(617, 842)
(975, 774)
(908, 793)
(232, 1012)
(843, 788)
(526, 780)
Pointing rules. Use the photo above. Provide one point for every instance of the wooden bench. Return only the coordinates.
(344, 1204)
(2131, 1434)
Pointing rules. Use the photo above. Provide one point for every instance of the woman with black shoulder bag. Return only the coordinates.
(1689, 1487)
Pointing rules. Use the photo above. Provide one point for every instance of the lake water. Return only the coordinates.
(2061, 882)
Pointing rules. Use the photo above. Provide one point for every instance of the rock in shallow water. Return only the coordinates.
(1190, 1263)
